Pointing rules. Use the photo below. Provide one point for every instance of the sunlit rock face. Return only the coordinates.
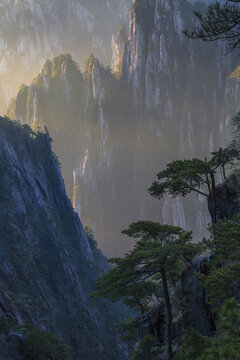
(118, 44)
(48, 263)
(92, 123)
(34, 30)
(232, 96)
(114, 133)
(55, 98)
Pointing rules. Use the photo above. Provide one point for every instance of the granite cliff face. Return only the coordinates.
(48, 263)
(92, 122)
(182, 92)
(232, 95)
(34, 30)
(228, 197)
(114, 133)
(57, 93)
(172, 77)
(118, 44)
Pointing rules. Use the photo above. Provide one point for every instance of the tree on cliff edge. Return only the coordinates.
(182, 177)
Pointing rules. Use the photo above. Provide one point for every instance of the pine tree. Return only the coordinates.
(160, 254)
(181, 177)
(224, 270)
(220, 22)
(225, 345)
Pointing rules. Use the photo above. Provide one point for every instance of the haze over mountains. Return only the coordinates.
(75, 168)
(34, 30)
(113, 133)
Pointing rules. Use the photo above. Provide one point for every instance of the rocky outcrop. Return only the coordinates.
(88, 124)
(190, 308)
(33, 31)
(57, 93)
(231, 104)
(48, 263)
(228, 197)
(118, 44)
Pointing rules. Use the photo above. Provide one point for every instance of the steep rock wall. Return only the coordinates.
(114, 135)
(92, 123)
(48, 263)
(182, 81)
(228, 197)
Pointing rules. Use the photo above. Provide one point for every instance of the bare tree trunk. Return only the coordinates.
(169, 313)
(211, 210)
(213, 201)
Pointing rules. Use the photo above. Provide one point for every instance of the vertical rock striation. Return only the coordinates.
(34, 30)
(118, 44)
(92, 131)
(48, 263)
(172, 76)
(180, 89)
(114, 133)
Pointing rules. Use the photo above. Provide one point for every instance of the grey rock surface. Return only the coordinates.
(31, 31)
(48, 263)
(171, 98)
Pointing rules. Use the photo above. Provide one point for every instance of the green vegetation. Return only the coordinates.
(39, 142)
(224, 345)
(6, 324)
(152, 268)
(161, 254)
(37, 344)
(182, 177)
(224, 268)
(147, 347)
(220, 282)
(43, 231)
(220, 22)
(42, 345)
(158, 259)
